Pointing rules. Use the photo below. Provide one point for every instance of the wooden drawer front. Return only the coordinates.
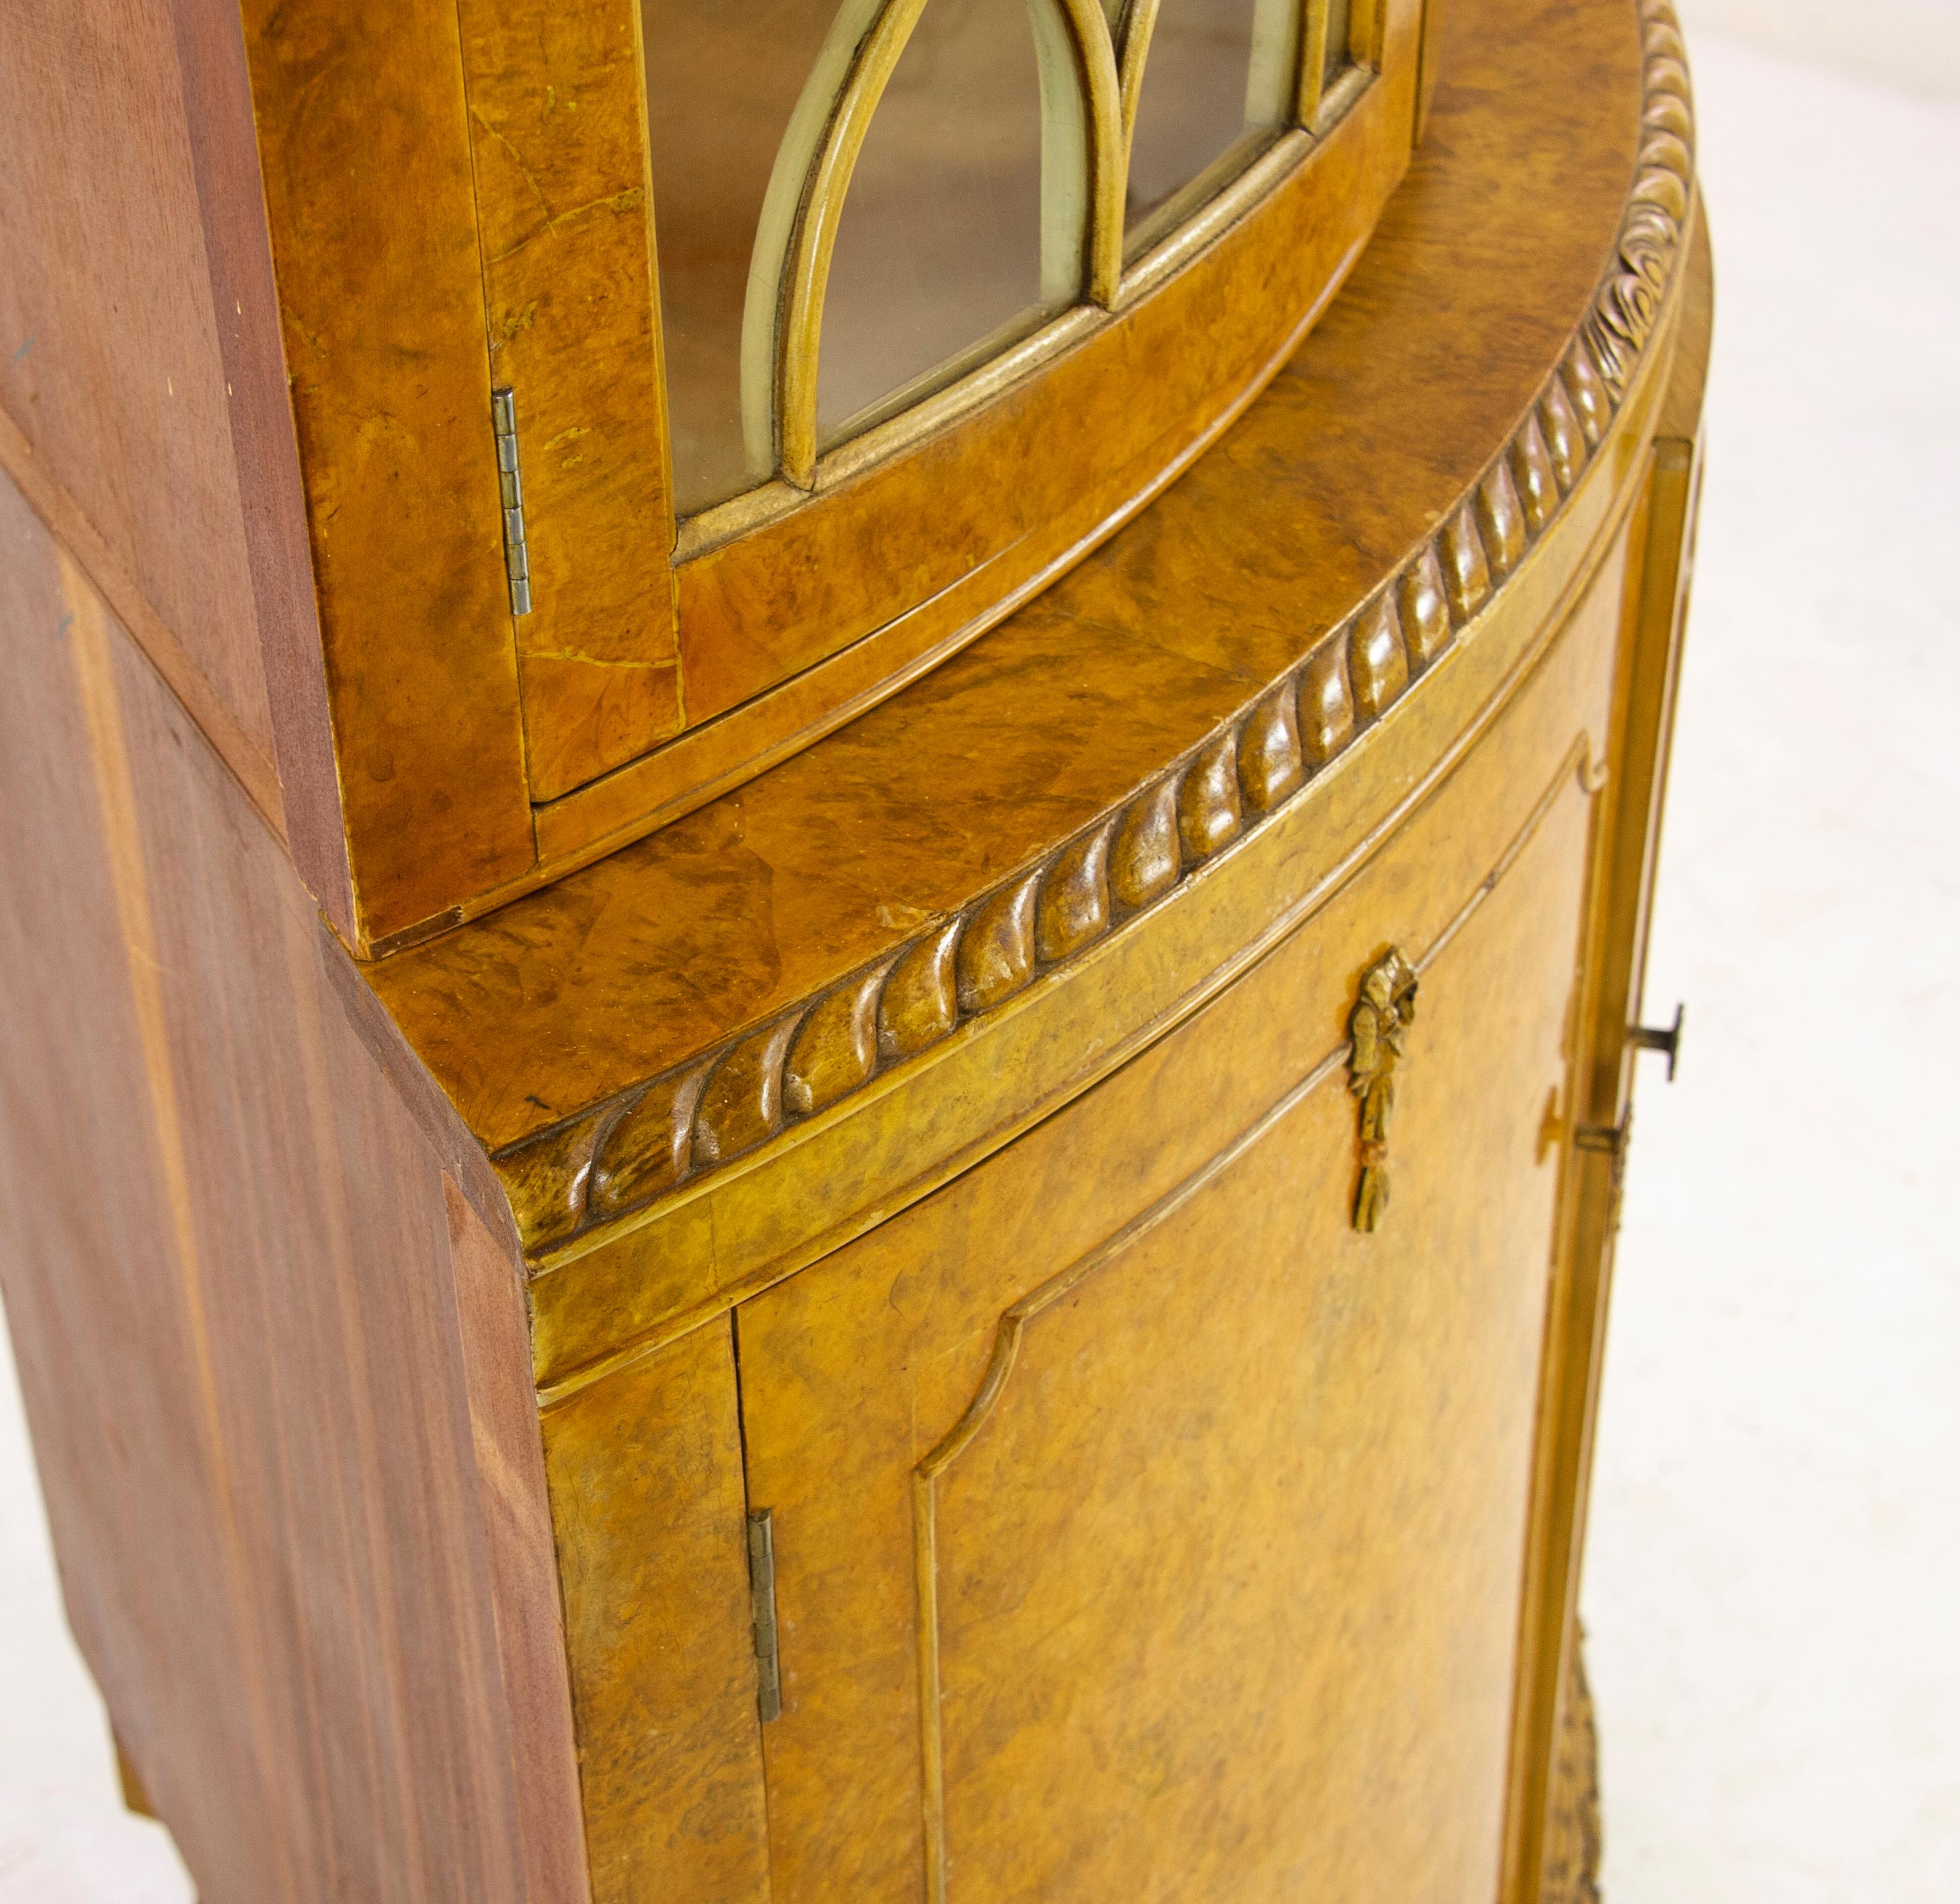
(1144, 1531)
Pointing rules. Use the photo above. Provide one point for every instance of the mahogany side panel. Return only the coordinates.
(112, 371)
(217, 94)
(523, 1568)
(248, 1340)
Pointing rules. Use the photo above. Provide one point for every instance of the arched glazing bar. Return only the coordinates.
(1091, 58)
(1082, 167)
(1207, 84)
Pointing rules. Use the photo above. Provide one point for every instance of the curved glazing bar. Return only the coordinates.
(723, 82)
(998, 161)
(1214, 83)
(966, 222)
(1333, 27)
(939, 248)
(1082, 168)
(1335, 54)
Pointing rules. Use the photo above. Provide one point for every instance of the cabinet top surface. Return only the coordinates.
(1552, 185)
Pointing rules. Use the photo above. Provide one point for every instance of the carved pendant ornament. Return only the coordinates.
(1376, 1028)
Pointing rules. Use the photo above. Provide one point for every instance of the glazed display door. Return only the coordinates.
(1145, 1529)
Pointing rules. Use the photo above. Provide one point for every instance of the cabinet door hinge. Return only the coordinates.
(762, 1599)
(1609, 1140)
(511, 482)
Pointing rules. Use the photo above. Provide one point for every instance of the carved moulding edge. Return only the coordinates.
(614, 1158)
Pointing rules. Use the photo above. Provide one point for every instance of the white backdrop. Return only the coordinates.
(1773, 1585)
(1911, 44)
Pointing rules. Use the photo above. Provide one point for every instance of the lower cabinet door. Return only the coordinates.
(1143, 1529)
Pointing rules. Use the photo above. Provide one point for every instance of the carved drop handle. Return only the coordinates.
(1376, 1028)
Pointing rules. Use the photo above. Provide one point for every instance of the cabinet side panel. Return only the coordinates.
(229, 1277)
(523, 1568)
(112, 376)
(216, 92)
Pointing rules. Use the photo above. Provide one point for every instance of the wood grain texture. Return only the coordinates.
(282, 1417)
(143, 406)
(366, 156)
(255, 771)
(216, 92)
(113, 353)
(1179, 1462)
(889, 568)
(1429, 68)
(557, 118)
(1361, 664)
(522, 1575)
(646, 1488)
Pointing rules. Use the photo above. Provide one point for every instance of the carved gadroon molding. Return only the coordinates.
(1382, 1013)
(648, 1141)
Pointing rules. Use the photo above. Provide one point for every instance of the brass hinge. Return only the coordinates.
(763, 1599)
(1609, 1140)
(511, 482)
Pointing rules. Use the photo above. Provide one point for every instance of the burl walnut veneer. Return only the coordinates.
(905, 1194)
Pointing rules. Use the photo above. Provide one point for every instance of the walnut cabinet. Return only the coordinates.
(830, 833)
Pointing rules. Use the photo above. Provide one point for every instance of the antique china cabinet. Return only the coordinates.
(829, 825)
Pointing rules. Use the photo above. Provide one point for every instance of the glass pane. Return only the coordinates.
(723, 78)
(1338, 14)
(938, 260)
(1217, 80)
